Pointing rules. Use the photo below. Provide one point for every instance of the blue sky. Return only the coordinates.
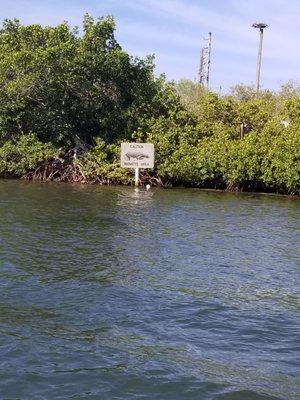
(173, 30)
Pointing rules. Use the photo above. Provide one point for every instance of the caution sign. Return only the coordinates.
(137, 155)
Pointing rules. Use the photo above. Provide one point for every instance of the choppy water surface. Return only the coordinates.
(106, 293)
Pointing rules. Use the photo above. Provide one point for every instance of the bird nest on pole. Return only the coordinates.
(259, 25)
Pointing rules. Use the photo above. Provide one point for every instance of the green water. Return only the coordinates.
(108, 293)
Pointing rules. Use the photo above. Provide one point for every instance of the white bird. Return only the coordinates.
(148, 186)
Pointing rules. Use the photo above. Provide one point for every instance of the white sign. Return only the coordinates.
(137, 155)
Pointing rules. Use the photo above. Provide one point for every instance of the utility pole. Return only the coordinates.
(261, 26)
(204, 68)
(208, 60)
(201, 69)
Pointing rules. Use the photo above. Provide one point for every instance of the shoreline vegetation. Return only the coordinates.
(68, 100)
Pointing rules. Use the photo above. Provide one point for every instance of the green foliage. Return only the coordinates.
(64, 86)
(281, 162)
(254, 113)
(102, 163)
(205, 105)
(268, 160)
(85, 95)
(291, 109)
(17, 158)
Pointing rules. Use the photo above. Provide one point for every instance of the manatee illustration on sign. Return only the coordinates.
(137, 155)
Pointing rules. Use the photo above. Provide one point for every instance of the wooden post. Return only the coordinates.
(242, 131)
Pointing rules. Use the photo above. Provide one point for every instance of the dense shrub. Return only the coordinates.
(83, 95)
(19, 157)
(102, 164)
(64, 86)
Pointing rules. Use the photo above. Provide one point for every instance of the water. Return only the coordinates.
(106, 293)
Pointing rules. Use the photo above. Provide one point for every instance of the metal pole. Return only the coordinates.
(261, 35)
(208, 61)
(261, 26)
(201, 67)
(136, 177)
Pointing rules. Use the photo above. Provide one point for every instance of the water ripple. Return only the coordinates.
(113, 293)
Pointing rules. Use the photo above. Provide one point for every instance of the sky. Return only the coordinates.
(173, 30)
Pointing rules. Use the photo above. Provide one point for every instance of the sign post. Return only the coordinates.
(136, 156)
(136, 177)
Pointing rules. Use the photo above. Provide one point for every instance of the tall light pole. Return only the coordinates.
(261, 26)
